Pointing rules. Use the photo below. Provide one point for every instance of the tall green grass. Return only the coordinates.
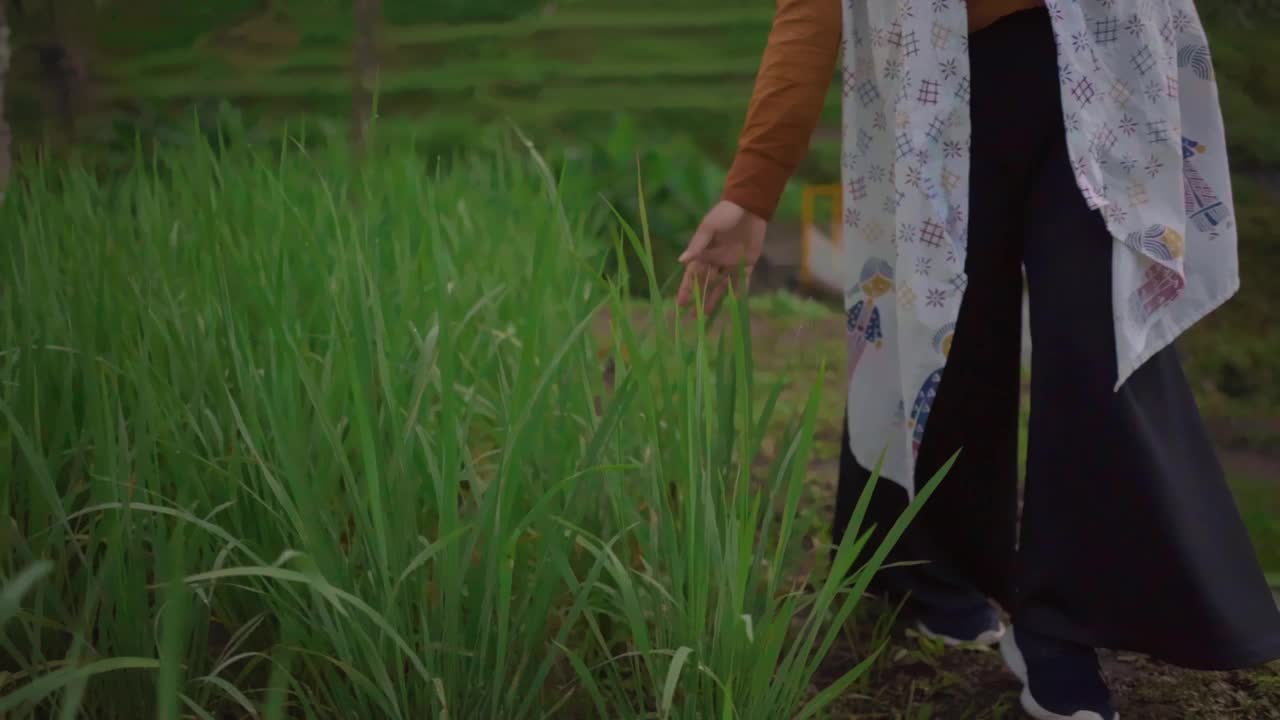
(283, 439)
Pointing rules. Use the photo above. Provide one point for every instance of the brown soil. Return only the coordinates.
(917, 679)
(1246, 462)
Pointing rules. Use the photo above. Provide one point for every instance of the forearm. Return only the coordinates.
(790, 90)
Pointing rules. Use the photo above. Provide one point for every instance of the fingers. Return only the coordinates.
(729, 250)
(716, 294)
(698, 243)
(711, 282)
(728, 278)
(699, 279)
(685, 294)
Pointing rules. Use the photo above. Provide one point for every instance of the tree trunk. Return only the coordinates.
(6, 160)
(365, 67)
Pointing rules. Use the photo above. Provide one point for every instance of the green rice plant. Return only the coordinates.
(281, 437)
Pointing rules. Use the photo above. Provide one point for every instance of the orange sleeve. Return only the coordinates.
(790, 91)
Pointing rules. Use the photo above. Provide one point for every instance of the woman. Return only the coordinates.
(1079, 142)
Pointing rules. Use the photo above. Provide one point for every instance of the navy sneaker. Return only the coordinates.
(1060, 681)
(977, 626)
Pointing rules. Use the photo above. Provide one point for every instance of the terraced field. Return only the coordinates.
(560, 75)
(560, 72)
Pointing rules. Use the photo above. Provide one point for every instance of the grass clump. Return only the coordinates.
(284, 439)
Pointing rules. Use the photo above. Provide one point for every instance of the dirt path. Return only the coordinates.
(916, 679)
(1255, 464)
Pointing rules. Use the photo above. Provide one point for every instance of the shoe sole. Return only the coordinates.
(1018, 666)
(986, 639)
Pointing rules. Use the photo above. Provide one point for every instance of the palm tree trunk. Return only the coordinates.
(6, 161)
(365, 66)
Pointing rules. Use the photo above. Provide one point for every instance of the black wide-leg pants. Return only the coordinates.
(1130, 538)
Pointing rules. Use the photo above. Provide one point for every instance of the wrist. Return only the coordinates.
(755, 183)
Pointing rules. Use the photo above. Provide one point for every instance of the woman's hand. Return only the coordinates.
(728, 240)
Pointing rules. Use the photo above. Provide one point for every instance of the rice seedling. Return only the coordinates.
(286, 438)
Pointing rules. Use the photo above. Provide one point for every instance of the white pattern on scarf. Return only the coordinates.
(1146, 139)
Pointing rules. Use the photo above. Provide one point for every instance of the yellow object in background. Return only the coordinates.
(820, 249)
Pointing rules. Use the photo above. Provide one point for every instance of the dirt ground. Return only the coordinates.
(916, 679)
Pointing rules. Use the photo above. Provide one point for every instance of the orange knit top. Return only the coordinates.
(791, 89)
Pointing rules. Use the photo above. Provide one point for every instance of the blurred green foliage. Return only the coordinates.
(674, 179)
